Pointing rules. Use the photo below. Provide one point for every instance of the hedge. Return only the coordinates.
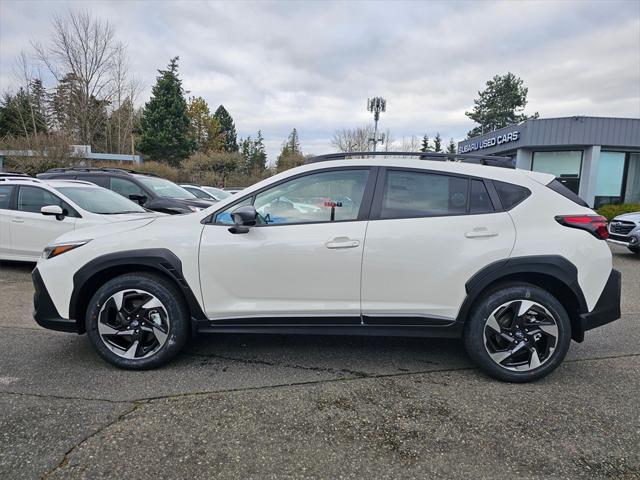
(612, 211)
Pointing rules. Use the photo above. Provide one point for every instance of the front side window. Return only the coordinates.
(125, 187)
(317, 197)
(198, 193)
(417, 194)
(32, 199)
(5, 196)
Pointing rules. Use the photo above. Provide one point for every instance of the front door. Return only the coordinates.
(301, 263)
(30, 230)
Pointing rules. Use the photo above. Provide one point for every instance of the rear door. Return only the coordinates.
(30, 230)
(429, 233)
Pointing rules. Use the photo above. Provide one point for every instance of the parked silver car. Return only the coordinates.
(625, 230)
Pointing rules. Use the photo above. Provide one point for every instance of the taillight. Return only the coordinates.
(596, 225)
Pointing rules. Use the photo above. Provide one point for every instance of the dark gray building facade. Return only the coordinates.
(596, 157)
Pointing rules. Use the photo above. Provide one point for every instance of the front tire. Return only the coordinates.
(518, 333)
(137, 321)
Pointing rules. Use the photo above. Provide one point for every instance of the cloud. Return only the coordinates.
(311, 65)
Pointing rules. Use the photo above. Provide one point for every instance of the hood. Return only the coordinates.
(92, 233)
(629, 217)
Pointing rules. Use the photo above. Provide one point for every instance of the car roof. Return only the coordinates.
(73, 183)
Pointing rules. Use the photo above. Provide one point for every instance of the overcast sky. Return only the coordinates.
(312, 65)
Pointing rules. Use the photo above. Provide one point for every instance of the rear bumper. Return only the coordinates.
(607, 308)
(45, 312)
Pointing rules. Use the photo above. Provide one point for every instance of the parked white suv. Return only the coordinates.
(508, 260)
(34, 212)
(625, 230)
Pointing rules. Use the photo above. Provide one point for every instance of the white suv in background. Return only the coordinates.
(508, 260)
(34, 212)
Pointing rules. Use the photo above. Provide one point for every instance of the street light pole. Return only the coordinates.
(376, 105)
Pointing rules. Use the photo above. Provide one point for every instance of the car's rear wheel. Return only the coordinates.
(137, 321)
(518, 333)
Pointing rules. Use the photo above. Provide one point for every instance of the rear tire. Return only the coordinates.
(138, 321)
(518, 333)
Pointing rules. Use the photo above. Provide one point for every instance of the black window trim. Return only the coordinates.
(72, 213)
(363, 213)
(376, 209)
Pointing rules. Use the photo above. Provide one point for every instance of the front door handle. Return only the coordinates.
(342, 242)
(481, 232)
(18, 220)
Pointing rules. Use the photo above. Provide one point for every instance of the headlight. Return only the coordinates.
(56, 249)
(195, 209)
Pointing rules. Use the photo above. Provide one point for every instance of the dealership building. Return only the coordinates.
(596, 157)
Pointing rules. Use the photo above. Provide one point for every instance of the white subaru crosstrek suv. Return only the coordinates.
(34, 212)
(508, 260)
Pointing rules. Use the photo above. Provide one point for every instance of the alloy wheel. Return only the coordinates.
(133, 324)
(520, 335)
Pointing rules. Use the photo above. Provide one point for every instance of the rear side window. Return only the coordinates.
(415, 194)
(479, 201)
(510, 194)
(558, 187)
(5, 196)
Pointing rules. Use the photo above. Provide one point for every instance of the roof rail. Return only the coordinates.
(490, 160)
(66, 180)
(14, 174)
(20, 178)
(97, 169)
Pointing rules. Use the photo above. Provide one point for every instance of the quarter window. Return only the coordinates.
(416, 194)
(510, 195)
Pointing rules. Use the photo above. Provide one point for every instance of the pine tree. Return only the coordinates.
(164, 126)
(227, 129)
(452, 147)
(500, 104)
(437, 143)
(425, 144)
(20, 115)
(204, 127)
(291, 154)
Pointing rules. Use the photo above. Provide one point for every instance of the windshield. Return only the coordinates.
(100, 200)
(165, 188)
(216, 192)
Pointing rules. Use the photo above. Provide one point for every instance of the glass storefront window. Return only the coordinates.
(609, 178)
(632, 189)
(565, 165)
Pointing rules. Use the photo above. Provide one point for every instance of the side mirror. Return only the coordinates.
(141, 199)
(244, 217)
(53, 210)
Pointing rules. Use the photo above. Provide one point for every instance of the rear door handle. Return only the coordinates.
(17, 220)
(481, 232)
(342, 242)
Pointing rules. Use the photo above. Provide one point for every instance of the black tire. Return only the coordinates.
(474, 333)
(172, 302)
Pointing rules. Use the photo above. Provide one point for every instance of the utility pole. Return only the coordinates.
(376, 105)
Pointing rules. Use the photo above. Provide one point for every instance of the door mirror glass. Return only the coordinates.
(243, 217)
(53, 210)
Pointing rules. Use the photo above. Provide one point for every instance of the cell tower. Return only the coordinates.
(376, 105)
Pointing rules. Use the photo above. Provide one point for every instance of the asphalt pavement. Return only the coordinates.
(262, 406)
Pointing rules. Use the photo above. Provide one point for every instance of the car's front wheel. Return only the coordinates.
(518, 333)
(137, 321)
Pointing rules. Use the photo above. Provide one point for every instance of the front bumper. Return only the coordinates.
(45, 312)
(630, 241)
(607, 307)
